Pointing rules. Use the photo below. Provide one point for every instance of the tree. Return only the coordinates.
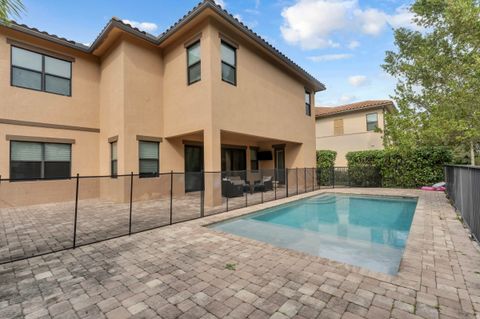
(438, 74)
(10, 8)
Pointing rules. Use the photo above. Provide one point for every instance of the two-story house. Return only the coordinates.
(352, 127)
(207, 94)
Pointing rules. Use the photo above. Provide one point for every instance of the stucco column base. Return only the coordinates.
(212, 160)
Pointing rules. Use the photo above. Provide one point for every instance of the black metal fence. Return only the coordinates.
(463, 188)
(43, 216)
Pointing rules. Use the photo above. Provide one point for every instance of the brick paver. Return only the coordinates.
(180, 272)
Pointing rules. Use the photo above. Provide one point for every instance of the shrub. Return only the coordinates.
(325, 163)
(409, 168)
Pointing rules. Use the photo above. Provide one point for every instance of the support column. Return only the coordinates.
(213, 166)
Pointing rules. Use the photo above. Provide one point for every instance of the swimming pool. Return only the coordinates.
(366, 231)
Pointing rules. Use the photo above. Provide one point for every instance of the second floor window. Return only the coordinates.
(33, 160)
(308, 106)
(148, 157)
(229, 63)
(193, 63)
(113, 159)
(372, 121)
(40, 72)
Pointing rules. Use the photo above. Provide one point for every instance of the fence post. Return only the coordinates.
(333, 176)
(171, 197)
(130, 208)
(305, 179)
(275, 183)
(76, 214)
(286, 182)
(202, 195)
(261, 179)
(313, 179)
(246, 193)
(296, 178)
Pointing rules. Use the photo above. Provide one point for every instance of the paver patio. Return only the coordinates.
(37, 229)
(180, 272)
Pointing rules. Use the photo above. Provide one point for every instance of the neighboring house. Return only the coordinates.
(352, 127)
(207, 94)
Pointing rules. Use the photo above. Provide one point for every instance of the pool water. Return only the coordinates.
(365, 231)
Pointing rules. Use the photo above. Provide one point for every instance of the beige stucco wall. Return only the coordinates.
(266, 101)
(355, 137)
(80, 109)
(134, 88)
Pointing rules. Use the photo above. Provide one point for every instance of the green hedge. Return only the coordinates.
(325, 163)
(399, 168)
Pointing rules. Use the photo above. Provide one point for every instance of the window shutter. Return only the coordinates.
(148, 150)
(148, 166)
(114, 151)
(57, 152)
(57, 67)
(26, 59)
(338, 127)
(26, 151)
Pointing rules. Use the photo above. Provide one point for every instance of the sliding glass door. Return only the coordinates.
(193, 168)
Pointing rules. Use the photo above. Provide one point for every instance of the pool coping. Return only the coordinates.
(407, 275)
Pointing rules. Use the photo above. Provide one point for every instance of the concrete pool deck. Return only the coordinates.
(190, 271)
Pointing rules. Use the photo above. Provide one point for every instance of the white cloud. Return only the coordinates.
(144, 26)
(312, 23)
(221, 3)
(372, 21)
(330, 57)
(403, 18)
(353, 44)
(357, 80)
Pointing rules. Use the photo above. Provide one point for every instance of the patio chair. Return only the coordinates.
(231, 188)
(239, 181)
(266, 184)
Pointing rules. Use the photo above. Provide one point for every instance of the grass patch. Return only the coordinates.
(231, 266)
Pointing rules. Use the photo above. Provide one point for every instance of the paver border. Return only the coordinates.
(411, 249)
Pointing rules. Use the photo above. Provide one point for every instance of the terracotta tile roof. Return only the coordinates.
(323, 111)
(156, 40)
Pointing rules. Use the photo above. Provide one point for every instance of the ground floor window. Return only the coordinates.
(234, 159)
(253, 159)
(113, 159)
(35, 160)
(148, 158)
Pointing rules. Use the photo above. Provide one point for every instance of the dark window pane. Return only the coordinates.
(57, 85)
(228, 73)
(26, 79)
(114, 168)
(25, 170)
(371, 126)
(57, 169)
(148, 166)
(194, 73)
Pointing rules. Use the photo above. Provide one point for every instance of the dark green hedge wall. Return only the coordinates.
(325, 163)
(400, 168)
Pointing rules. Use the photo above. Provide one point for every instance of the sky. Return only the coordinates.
(342, 43)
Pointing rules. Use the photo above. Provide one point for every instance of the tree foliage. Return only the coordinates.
(408, 168)
(438, 74)
(10, 8)
(325, 164)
